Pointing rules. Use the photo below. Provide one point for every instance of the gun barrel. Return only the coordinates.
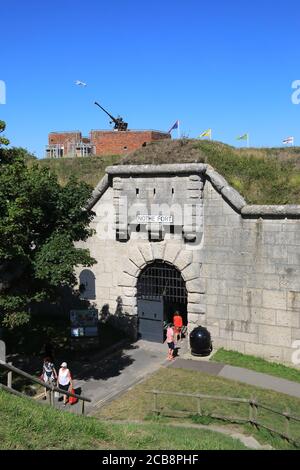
(112, 118)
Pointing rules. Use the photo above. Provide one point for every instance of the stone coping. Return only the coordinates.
(233, 197)
(164, 169)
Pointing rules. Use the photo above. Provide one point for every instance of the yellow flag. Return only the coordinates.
(206, 133)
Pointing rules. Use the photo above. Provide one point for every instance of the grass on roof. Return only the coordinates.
(87, 169)
(261, 175)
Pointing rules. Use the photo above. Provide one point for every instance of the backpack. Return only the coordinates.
(48, 369)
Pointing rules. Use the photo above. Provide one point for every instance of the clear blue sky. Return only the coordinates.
(228, 65)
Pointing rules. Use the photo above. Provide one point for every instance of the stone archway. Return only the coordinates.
(181, 258)
(161, 291)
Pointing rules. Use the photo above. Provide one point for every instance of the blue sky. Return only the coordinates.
(228, 65)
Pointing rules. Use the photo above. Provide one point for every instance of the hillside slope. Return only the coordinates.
(27, 425)
(88, 169)
(262, 176)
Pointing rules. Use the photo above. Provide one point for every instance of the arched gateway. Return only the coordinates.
(161, 291)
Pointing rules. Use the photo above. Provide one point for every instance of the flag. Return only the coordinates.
(79, 83)
(288, 140)
(206, 133)
(243, 137)
(175, 126)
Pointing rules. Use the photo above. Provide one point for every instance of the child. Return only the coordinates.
(170, 342)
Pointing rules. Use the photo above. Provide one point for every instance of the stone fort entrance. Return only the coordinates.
(161, 291)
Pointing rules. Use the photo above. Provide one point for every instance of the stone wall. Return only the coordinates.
(251, 268)
(119, 263)
(242, 273)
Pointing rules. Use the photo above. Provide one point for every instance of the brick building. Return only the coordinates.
(100, 142)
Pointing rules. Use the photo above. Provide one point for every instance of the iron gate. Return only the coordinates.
(161, 280)
(159, 284)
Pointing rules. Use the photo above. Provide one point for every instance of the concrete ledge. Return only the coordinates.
(180, 168)
(240, 205)
(269, 210)
(98, 192)
(232, 196)
(216, 179)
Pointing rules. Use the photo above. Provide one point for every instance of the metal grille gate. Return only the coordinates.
(159, 283)
(161, 279)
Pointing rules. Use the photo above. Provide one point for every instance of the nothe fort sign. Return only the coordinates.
(162, 219)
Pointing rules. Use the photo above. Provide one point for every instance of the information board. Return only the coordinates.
(84, 323)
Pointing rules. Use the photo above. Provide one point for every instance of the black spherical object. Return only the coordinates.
(200, 341)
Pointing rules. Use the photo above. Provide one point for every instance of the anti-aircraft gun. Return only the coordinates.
(119, 124)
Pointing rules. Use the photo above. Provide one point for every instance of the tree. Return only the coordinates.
(40, 221)
(3, 140)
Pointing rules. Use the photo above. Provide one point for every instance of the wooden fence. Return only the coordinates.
(253, 409)
(51, 388)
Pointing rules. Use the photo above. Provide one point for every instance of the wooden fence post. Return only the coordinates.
(250, 411)
(255, 412)
(9, 377)
(287, 423)
(50, 397)
(199, 406)
(155, 402)
(82, 407)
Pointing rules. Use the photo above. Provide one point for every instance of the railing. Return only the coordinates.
(252, 419)
(51, 388)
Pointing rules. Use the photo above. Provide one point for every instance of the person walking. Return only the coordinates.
(49, 374)
(170, 342)
(178, 323)
(64, 381)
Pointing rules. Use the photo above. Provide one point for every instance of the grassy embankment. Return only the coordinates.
(261, 175)
(89, 169)
(30, 426)
(258, 364)
(137, 403)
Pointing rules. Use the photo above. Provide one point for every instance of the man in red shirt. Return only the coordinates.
(177, 321)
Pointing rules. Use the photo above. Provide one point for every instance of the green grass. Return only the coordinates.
(261, 175)
(88, 169)
(137, 403)
(255, 363)
(27, 425)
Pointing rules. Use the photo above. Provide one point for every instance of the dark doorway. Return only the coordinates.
(160, 292)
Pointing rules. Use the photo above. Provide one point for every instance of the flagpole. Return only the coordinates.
(178, 132)
(248, 140)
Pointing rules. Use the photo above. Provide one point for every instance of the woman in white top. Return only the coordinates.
(64, 380)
